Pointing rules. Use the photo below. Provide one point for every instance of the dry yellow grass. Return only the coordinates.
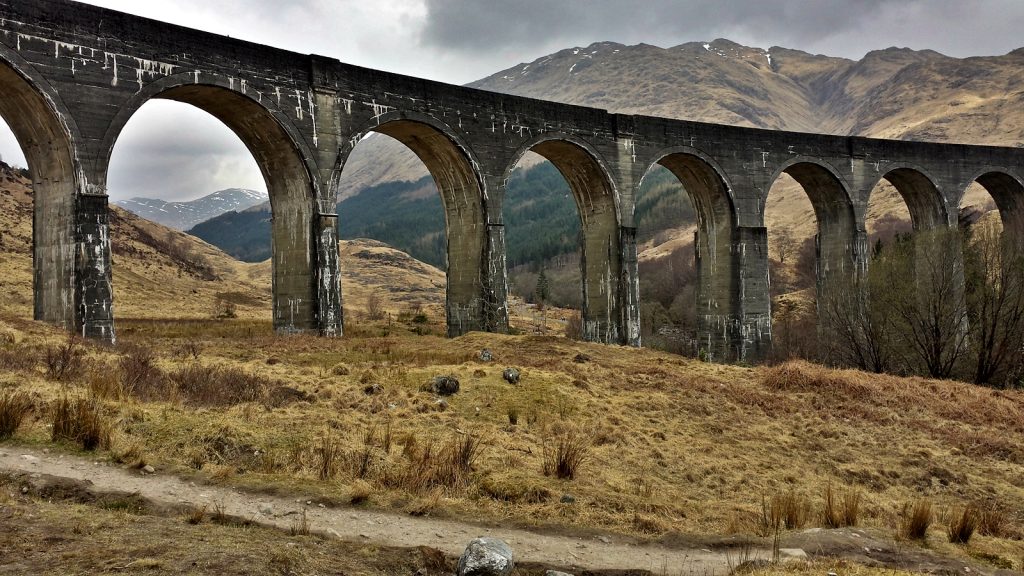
(676, 445)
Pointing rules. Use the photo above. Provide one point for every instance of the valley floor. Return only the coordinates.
(672, 452)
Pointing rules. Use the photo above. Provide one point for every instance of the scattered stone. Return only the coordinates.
(604, 539)
(372, 389)
(511, 375)
(556, 573)
(266, 509)
(147, 469)
(568, 499)
(486, 356)
(486, 557)
(30, 458)
(581, 358)
(445, 385)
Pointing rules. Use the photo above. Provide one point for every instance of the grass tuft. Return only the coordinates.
(14, 407)
(839, 511)
(328, 455)
(916, 518)
(993, 522)
(962, 525)
(563, 460)
(80, 421)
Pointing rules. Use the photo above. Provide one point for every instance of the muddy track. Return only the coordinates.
(169, 493)
(360, 525)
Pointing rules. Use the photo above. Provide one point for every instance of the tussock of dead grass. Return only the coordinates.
(962, 525)
(80, 420)
(14, 407)
(916, 518)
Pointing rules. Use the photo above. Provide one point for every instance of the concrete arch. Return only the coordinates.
(826, 188)
(304, 282)
(453, 166)
(601, 241)
(48, 137)
(581, 153)
(1007, 190)
(838, 242)
(923, 198)
(717, 296)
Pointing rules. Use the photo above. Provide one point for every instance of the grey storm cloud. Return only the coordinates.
(174, 152)
(848, 28)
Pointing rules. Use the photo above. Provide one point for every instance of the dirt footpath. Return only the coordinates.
(380, 528)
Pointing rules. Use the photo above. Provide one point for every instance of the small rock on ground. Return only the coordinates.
(511, 375)
(486, 557)
(556, 573)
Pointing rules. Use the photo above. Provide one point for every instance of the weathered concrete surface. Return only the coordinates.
(72, 75)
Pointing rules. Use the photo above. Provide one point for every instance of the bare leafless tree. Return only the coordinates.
(925, 297)
(994, 281)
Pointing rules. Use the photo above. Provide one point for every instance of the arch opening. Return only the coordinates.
(921, 197)
(688, 263)
(465, 225)
(992, 229)
(1004, 193)
(542, 244)
(600, 242)
(257, 140)
(427, 201)
(47, 150)
(813, 246)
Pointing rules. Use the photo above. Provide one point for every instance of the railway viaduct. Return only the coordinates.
(72, 75)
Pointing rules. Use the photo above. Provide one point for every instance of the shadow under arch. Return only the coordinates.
(452, 166)
(717, 296)
(838, 241)
(306, 291)
(605, 318)
(1007, 191)
(46, 134)
(923, 199)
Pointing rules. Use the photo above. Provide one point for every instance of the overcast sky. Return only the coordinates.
(168, 151)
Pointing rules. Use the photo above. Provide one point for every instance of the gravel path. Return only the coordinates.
(382, 528)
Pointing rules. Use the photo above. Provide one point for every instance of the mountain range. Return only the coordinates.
(893, 93)
(184, 215)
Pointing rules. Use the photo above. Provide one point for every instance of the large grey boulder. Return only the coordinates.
(486, 557)
(445, 385)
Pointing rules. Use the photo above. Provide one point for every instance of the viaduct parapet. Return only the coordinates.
(72, 75)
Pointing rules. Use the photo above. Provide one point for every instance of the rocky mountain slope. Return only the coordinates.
(184, 215)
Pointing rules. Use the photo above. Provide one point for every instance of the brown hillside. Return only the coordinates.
(893, 93)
